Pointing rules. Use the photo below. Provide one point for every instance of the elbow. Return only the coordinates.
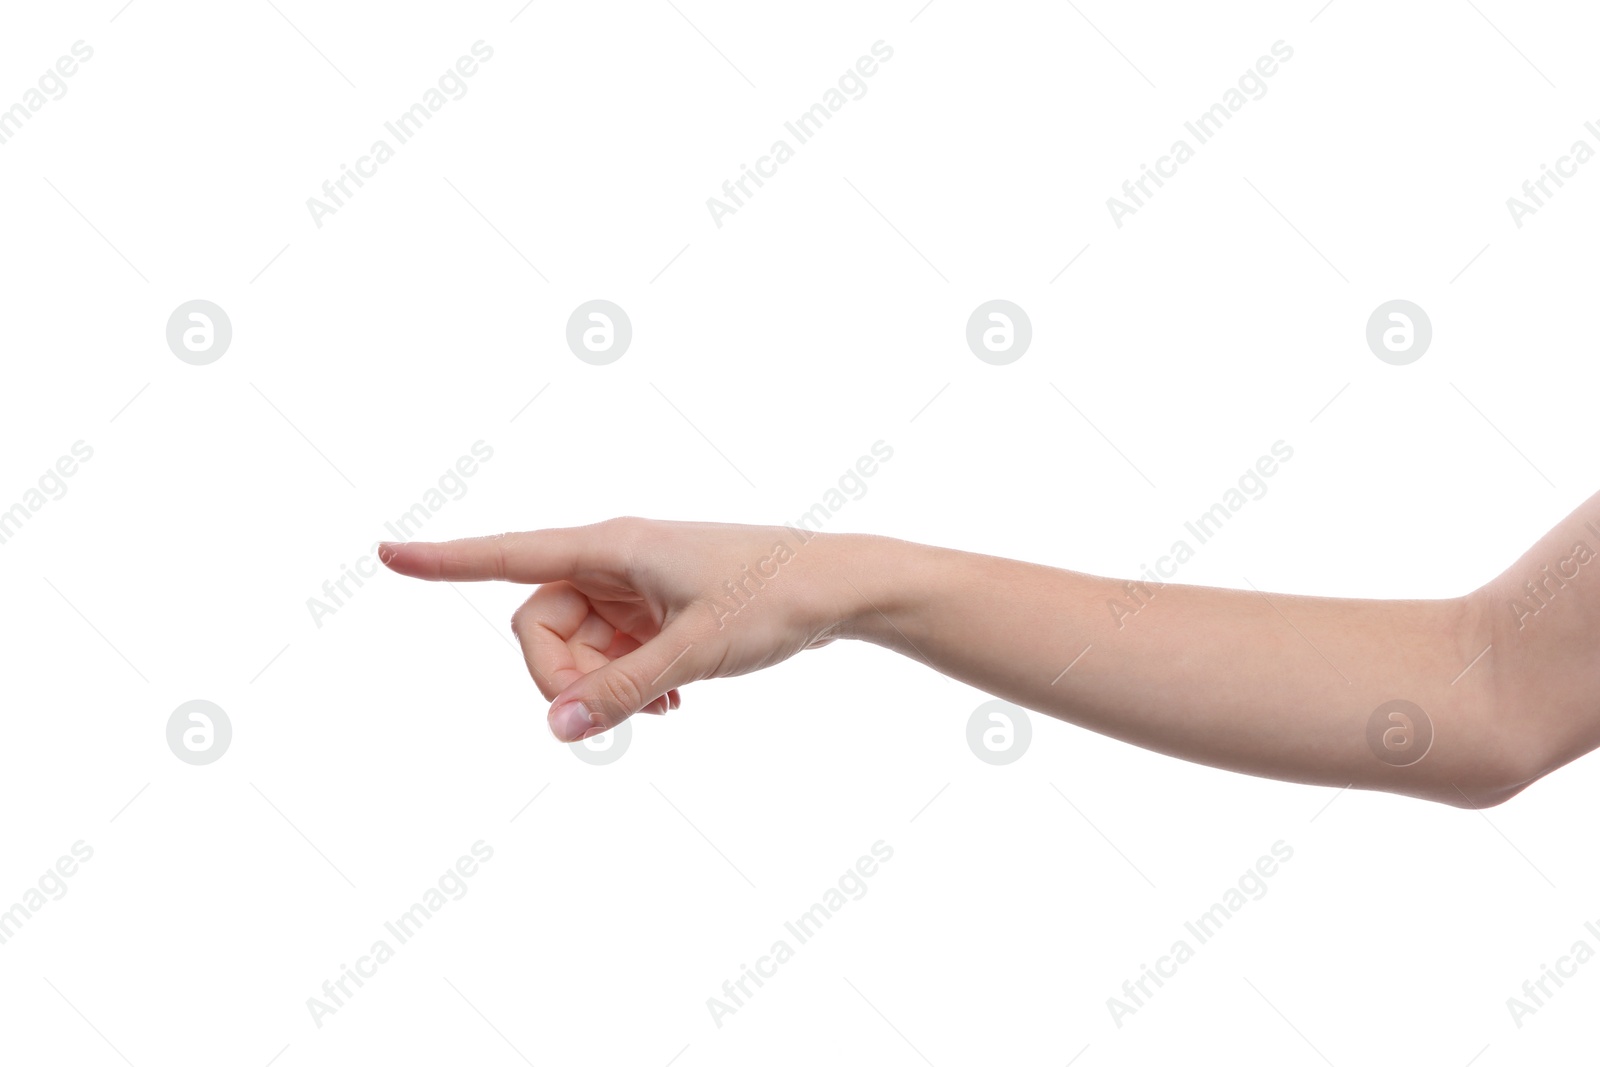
(1488, 792)
(1514, 733)
(1498, 762)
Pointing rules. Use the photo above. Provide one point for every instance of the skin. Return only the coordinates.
(629, 610)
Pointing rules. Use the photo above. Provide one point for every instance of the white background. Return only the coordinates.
(768, 354)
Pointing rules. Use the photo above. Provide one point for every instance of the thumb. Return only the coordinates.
(606, 696)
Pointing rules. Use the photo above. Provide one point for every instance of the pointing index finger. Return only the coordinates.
(535, 557)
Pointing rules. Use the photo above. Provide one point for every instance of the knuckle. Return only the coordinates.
(622, 690)
(624, 526)
(625, 537)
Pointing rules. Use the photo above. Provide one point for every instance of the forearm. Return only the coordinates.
(1258, 682)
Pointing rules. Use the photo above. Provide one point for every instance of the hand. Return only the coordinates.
(629, 610)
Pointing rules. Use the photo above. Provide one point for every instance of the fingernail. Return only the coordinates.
(570, 722)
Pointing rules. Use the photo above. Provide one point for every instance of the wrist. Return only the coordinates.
(871, 591)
